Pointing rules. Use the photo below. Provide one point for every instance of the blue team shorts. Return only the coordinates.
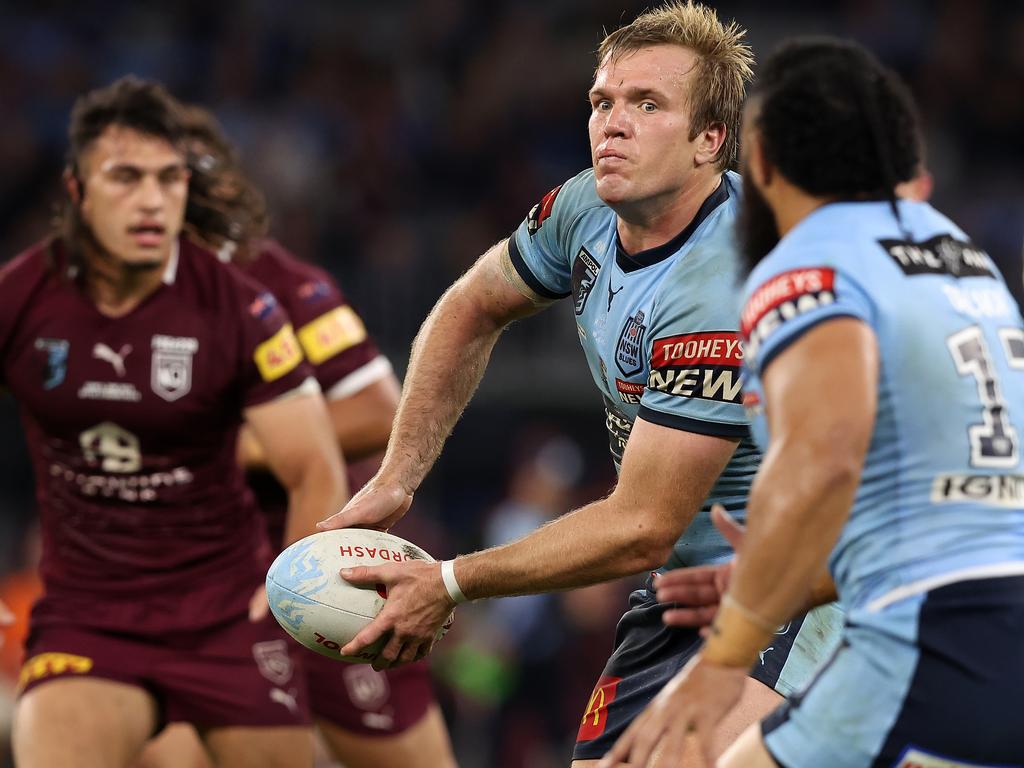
(648, 654)
(932, 681)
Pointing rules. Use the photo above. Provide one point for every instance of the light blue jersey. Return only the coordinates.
(658, 328)
(942, 494)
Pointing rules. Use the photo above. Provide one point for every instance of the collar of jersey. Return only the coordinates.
(631, 263)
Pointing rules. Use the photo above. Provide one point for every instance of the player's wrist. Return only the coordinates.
(451, 584)
(737, 635)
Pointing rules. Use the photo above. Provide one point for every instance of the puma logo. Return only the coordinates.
(612, 294)
(285, 697)
(116, 359)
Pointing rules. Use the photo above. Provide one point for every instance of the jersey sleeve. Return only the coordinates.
(333, 336)
(540, 248)
(695, 361)
(789, 295)
(272, 363)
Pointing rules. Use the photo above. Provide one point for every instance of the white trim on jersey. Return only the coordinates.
(993, 571)
(309, 386)
(360, 378)
(171, 270)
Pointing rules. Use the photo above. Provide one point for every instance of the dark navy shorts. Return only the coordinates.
(935, 680)
(648, 654)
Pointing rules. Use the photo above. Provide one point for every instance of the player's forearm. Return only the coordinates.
(320, 491)
(798, 505)
(448, 359)
(599, 542)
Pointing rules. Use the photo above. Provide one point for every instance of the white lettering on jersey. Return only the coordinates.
(978, 303)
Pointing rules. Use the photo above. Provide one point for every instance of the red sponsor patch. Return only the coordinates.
(782, 288)
(541, 211)
(596, 717)
(751, 400)
(693, 349)
(629, 387)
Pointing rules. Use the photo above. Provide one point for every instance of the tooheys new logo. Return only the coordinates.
(704, 365)
(782, 299)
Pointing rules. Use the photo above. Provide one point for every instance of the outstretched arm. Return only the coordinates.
(448, 359)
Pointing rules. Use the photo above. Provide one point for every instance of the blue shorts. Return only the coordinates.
(933, 681)
(648, 654)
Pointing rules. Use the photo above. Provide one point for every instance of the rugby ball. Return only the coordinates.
(315, 605)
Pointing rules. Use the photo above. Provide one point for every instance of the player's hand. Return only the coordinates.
(380, 504)
(694, 701)
(259, 607)
(416, 610)
(697, 591)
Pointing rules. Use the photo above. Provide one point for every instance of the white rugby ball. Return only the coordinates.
(319, 608)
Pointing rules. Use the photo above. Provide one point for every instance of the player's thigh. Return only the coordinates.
(423, 745)
(81, 723)
(263, 747)
(176, 746)
(748, 751)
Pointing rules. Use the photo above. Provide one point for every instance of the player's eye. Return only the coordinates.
(125, 175)
(649, 106)
(602, 105)
(173, 175)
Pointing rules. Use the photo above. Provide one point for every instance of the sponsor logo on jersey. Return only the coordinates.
(630, 391)
(703, 365)
(262, 305)
(111, 391)
(619, 427)
(273, 661)
(629, 351)
(915, 758)
(52, 664)
(584, 275)
(278, 355)
(56, 367)
(990, 490)
(116, 359)
(942, 255)
(313, 290)
(171, 367)
(378, 553)
(331, 333)
(752, 405)
(595, 718)
(367, 688)
(540, 212)
(783, 298)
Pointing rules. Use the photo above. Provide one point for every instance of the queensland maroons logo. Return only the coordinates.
(171, 367)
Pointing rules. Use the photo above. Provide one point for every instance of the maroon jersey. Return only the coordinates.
(131, 424)
(333, 339)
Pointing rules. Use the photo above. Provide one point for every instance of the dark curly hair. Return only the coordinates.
(835, 121)
(223, 204)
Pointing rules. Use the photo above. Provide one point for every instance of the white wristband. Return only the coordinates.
(450, 584)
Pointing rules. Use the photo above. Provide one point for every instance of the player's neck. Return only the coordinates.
(654, 222)
(793, 205)
(115, 287)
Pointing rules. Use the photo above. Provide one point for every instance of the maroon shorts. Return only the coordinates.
(234, 674)
(358, 699)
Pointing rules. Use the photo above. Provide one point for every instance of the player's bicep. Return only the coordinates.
(821, 392)
(497, 291)
(296, 435)
(667, 473)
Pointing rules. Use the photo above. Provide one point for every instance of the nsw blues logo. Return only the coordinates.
(629, 355)
(56, 365)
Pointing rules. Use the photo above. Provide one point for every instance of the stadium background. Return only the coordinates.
(396, 141)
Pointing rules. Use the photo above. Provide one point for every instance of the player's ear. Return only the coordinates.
(709, 143)
(73, 185)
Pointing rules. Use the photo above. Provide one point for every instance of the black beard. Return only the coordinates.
(758, 232)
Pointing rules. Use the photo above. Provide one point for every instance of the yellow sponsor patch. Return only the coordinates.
(331, 333)
(51, 665)
(278, 355)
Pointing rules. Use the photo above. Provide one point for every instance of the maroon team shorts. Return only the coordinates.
(358, 699)
(238, 673)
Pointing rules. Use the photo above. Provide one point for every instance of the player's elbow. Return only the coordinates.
(649, 544)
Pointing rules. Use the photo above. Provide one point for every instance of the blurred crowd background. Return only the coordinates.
(396, 140)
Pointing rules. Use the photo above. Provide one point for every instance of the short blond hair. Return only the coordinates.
(724, 62)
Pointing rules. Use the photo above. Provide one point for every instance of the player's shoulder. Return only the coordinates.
(567, 202)
(213, 285)
(34, 263)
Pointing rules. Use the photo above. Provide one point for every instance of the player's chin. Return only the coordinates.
(613, 188)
